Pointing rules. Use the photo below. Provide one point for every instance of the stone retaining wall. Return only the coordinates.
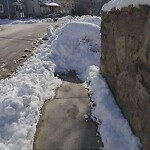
(125, 63)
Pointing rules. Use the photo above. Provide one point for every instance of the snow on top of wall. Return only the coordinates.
(52, 4)
(123, 3)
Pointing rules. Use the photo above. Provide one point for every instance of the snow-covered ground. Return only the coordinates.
(23, 21)
(73, 45)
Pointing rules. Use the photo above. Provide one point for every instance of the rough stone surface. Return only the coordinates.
(125, 63)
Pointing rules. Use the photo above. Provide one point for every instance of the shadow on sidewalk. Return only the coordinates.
(71, 76)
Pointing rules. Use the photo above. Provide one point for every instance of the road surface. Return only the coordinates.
(14, 39)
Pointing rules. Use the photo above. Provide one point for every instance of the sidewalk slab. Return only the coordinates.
(63, 126)
(71, 90)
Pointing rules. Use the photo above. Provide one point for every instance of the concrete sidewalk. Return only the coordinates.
(62, 125)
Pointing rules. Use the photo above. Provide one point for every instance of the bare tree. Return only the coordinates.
(84, 7)
(91, 7)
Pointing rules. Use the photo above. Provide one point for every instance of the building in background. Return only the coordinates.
(41, 8)
(15, 9)
(12, 9)
(67, 6)
(49, 8)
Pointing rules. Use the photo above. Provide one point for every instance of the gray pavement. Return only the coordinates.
(64, 124)
(14, 40)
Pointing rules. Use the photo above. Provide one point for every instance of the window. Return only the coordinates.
(1, 8)
(16, 8)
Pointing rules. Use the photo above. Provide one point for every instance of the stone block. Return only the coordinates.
(120, 49)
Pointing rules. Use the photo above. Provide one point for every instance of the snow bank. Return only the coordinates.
(50, 32)
(85, 18)
(24, 21)
(90, 19)
(5, 21)
(113, 128)
(21, 98)
(65, 19)
(30, 21)
(75, 45)
(123, 3)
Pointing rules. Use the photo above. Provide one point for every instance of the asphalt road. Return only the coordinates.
(14, 39)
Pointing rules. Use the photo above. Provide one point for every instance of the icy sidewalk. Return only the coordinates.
(64, 123)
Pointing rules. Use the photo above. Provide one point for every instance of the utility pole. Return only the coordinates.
(8, 10)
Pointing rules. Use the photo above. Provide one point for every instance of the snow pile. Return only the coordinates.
(65, 19)
(5, 21)
(69, 19)
(21, 98)
(30, 21)
(24, 21)
(114, 129)
(76, 43)
(91, 19)
(86, 18)
(123, 3)
(50, 32)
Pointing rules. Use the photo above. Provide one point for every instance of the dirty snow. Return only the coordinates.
(124, 3)
(24, 21)
(73, 45)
